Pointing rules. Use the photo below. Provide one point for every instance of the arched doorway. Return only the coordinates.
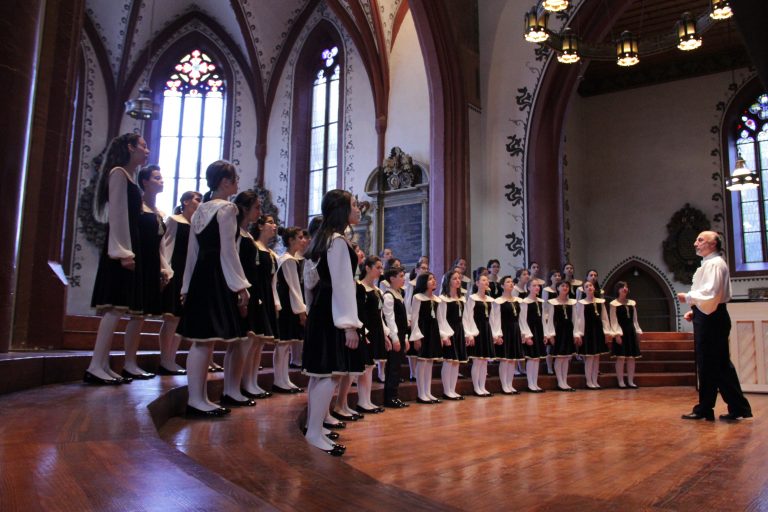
(655, 303)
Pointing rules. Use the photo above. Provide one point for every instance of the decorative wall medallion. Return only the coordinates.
(682, 230)
(400, 171)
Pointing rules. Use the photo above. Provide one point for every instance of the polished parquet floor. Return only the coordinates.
(73, 447)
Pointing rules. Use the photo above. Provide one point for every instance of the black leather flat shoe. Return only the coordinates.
(90, 378)
(336, 451)
(137, 376)
(403, 404)
(482, 395)
(332, 426)
(286, 391)
(162, 370)
(569, 390)
(393, 404)
(697, 416)
(193, 412)
(535, 390)
(632, 386)
(342, 417)
(735, 417)
(363, 410)
(297, 390)
(332, 436)
(420, 401)
(233, 402)
(436, 401)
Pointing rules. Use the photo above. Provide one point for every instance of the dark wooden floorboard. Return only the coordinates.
(71, 447)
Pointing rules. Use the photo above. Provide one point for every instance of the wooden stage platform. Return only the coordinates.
(72, 447)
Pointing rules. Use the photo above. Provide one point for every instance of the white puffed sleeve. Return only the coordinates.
(468, 319)
(604, 319)
(638, 330)
(388, 309)
(189, 267)
(119, 243)
(616, 329)
(344, 295)
(442, 320)
(230, 259)
(168, 242)
(549, 322)
(525, 329)
(311, 278)
(165, 262)
(495, 320)
(275, 295)
(578, 319)
(415, 331)
(291, 275)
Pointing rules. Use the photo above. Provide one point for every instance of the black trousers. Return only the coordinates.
(713, 362)
(392, 373)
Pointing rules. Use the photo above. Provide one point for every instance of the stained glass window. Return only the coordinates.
(750, 215)
(324, 129)
(191, 127)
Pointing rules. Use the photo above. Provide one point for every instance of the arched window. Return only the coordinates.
(749, 208)
(324, 126)
(191, 124)
(316, 123)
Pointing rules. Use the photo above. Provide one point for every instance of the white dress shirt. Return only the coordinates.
(711, 284)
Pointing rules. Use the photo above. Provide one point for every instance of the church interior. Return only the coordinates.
(462, 135)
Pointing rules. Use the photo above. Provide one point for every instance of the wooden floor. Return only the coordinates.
(78, 448)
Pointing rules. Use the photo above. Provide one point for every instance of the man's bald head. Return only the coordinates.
(708, 242)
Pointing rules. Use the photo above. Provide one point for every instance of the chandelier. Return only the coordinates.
(628, 49)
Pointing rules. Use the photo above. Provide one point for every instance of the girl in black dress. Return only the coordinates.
(568, 275)
(174, 249)
(592, 278)
(332, 337)
(450, 312)
(156, 271)
(506, 326)
(480, 340)
(460, 264)
(293, 312)
(249, 213)
(534, 269)
(559, 327)
(495, 288)
(214, 290)
(396, 318)
(595, 330)
(522, 278)
(627, 332)
(377, 342)
(410, 354)
(532, 330)
(118, 287)
(427, 335)
(549, 291)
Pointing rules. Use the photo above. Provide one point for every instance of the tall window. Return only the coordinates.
(750, 207)
(323, 158)
(191, 129)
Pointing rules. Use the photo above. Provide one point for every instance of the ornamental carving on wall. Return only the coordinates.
(682, 230)
(399, 170)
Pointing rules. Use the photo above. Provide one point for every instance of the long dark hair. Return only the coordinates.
(336, 208)
(216, 172)
(367, 263)
(186, 196)
(445, 284)
(244, 202)
(288, 234)
(421, 283)
(256, 226)
(117, 156)
(145, 174)
(598, 293)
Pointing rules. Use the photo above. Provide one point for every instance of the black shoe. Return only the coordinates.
(568, 390)
(137, 376)
(257, 396)
(420, 401)
(631, 386)
(412, 379)
(403, 404)
(482, 395)
(363, 410)
(535, 390)
(342, 417)
(332, 436)
(454, 398)
(233, 402)
(337, 450)
(162, 370)
(286, 391)
(697, 416)
(90, 378)
(395, 404)
(332, 426)
(192, 412)
(735, 417)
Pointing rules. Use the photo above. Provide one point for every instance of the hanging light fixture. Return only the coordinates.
(627, 50)
(721, 10)
(143, 107)
(742, 177)
(536, 26)
(555, 5)
(688, 38)
(570, 51)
